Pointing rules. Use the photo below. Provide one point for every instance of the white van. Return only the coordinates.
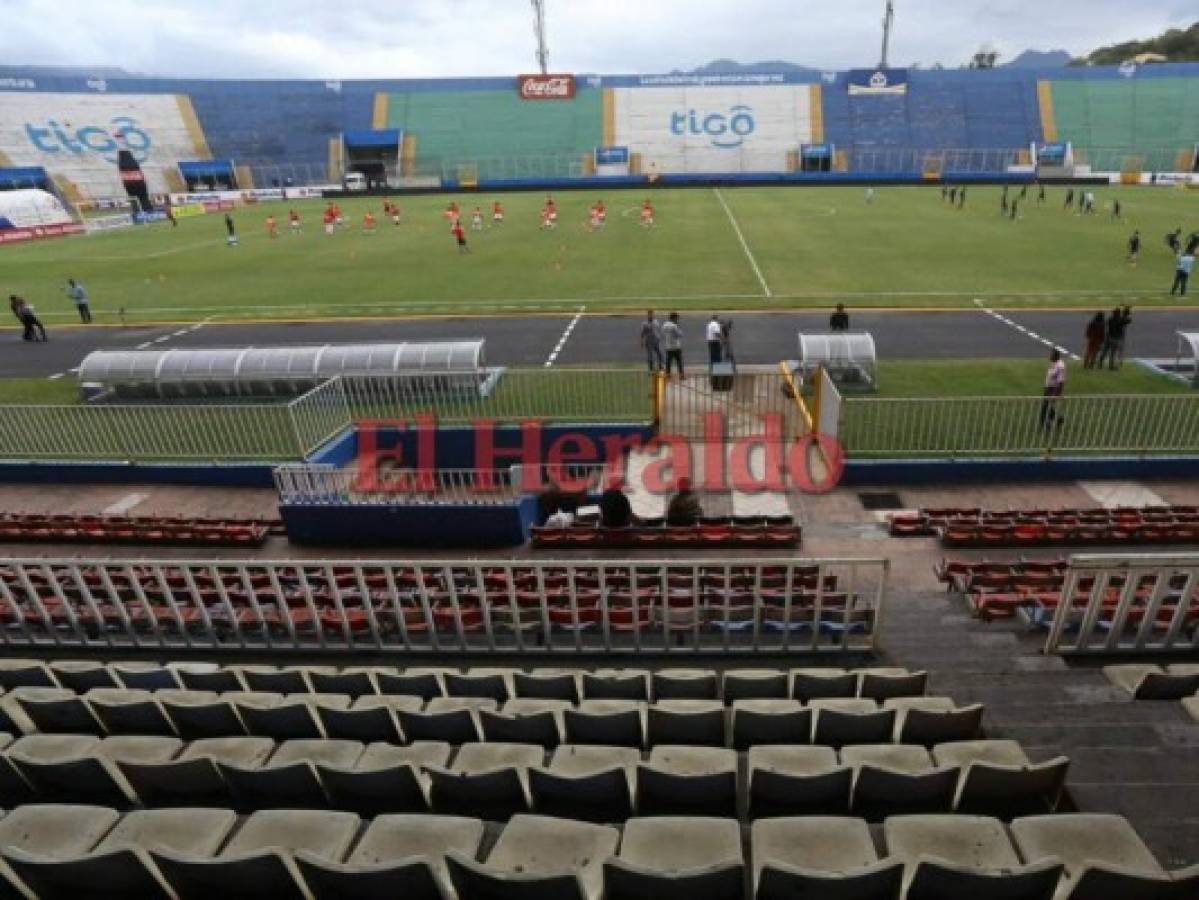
(355, 181)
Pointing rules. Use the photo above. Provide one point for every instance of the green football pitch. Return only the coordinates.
(739, 248)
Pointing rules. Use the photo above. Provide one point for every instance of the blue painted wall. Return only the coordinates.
(412, 526)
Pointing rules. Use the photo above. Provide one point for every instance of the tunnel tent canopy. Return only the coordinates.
(269, 370)
(849, 357)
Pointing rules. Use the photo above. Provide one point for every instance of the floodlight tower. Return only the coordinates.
(888, 22)
(543, 50)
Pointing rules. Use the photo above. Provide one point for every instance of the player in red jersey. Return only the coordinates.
(338, 219)
(497, 213)
(329, 219)
(602, 212)
(459, 234)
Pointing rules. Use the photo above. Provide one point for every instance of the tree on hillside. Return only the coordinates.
(984, 59)
(1176, 45)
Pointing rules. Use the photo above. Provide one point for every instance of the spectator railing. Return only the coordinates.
(322, 484)
(545, 608)
(1127, 604)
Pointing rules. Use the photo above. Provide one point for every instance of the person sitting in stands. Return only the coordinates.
(615, 509)
(684, 508)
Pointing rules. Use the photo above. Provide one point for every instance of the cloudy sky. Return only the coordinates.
(410, 38)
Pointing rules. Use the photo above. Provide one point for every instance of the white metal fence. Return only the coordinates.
(319, 415)
(981, 426)
(291, 431)
(1132, 604)
(676, 606)
(322, 484)
(146, 432)
(830, 405)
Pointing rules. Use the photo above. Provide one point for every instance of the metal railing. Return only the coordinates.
(319, 415)
(697, 407)
(653, 606)
(982, 426)
(366, 485)
(567, 395)
(234, 432)
(1134, 604)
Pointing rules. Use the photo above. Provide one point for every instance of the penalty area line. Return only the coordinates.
(744, 244)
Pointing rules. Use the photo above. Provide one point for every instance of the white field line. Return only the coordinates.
(565, 337)
(744, 245)
(1027, 332)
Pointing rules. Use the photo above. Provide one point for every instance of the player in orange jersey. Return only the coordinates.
(293, 220)
(647, 214)
(329, 219)
(368, 222)
(497, 213)
(272, 227)
(602, 212)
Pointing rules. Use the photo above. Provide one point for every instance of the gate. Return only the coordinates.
(743, 402)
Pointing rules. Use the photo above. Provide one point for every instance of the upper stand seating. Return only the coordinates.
(1044, 528)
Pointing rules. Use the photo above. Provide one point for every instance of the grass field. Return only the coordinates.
(745, 248)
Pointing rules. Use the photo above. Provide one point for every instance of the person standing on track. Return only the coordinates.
(231, 231)
(1096, 333)
(32, 324)
(76, 292)
(672, 343)
(1182, 273)
(1113, 346)
(714, 335)
(651, 342)
(839, 320)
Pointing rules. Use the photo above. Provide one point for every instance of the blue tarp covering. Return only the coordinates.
(206, 168)
(23, 176)
(372, 137)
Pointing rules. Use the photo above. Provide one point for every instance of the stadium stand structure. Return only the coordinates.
(453, 131)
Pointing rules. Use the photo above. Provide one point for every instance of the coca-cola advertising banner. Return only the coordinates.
(546, 87)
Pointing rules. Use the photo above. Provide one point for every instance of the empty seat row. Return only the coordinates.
(546, 721)
(928, 522)
(497, 780)
(500, 684)
(275, 524)
(643, 537)
(50, 852)
(1051, 535)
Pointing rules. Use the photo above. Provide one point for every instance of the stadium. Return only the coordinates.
(744, 483)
